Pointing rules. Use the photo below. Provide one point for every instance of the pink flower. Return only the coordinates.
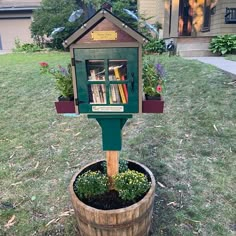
(43, 64)
(159, 88)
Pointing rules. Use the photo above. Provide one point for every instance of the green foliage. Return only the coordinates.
(91, 184)
(123, 166)
(117, 9)
(53, 14)
(224, 44)
(131, 185)
(63, 77)
(155, 46)
(26, 47)
(153, 75)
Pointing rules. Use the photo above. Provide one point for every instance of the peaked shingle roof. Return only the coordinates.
(98, 17)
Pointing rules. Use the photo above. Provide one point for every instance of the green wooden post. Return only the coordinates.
(111, 130)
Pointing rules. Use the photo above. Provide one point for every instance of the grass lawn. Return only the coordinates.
(191, 149)
(231, 57)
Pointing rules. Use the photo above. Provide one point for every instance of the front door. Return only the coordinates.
(185, 18)
(107, 80)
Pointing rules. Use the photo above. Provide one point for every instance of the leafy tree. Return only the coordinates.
(117, 9)
(53, 14)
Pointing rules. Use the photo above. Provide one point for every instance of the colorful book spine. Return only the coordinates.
(125, 88)
(118, 77)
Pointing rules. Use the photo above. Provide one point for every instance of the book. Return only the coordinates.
(114, 91)
(98, 90)
(118, 77)
(102, 93)
(125, 88)
(95, 88)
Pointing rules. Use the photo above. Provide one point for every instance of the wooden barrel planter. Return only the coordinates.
(134, 220)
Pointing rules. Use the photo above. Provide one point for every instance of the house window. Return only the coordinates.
(207, 16)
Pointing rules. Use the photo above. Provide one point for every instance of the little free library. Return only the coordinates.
(106, 56)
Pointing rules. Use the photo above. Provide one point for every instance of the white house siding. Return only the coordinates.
(15, 22)
(19, 3)
(148, 8)
(153, 9)
(11, 29)
(218, 26)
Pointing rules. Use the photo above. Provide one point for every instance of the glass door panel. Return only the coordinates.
(96, 81)
(95, 70)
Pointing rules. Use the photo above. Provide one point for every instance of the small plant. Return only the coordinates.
(224, 44)
(155, 46)
(63, 77)
(123, 166)
(26, 47)
(153, 75)
(131, 185)
(91, 184)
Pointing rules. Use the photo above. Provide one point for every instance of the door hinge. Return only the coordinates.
(73, 61)
(77, 102)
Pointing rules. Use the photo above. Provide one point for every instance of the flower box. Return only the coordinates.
(65, 106)
(152, 106)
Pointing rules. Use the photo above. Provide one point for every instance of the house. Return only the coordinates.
(191, 24)
(15, 20)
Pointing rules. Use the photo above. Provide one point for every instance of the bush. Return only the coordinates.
(62, 76)
(153, 78)
(155, 46)
(26, 47)
(53, 14)
(91, 184)
(224, 44)
(131, 185)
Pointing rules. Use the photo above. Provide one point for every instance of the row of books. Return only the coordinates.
(118, 92)
(98, 90)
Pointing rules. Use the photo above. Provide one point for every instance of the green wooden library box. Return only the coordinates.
(107, 66)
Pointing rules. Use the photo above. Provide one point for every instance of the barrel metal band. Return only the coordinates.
(141, 233)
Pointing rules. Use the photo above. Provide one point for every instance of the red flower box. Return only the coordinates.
(152, 106)
(65, 107)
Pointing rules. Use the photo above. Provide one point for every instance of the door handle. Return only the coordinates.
(132, 81)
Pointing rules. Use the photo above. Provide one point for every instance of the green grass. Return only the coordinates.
(190, 149)
(230, 57)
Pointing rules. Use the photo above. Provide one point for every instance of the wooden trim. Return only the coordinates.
(74, 81)
(80, 32)
(105, 45)
(140, 66)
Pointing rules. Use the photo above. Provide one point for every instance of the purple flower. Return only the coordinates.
(160, 70)
(63, 70)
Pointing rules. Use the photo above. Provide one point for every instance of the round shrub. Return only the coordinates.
(91, 184)
(131, 185)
